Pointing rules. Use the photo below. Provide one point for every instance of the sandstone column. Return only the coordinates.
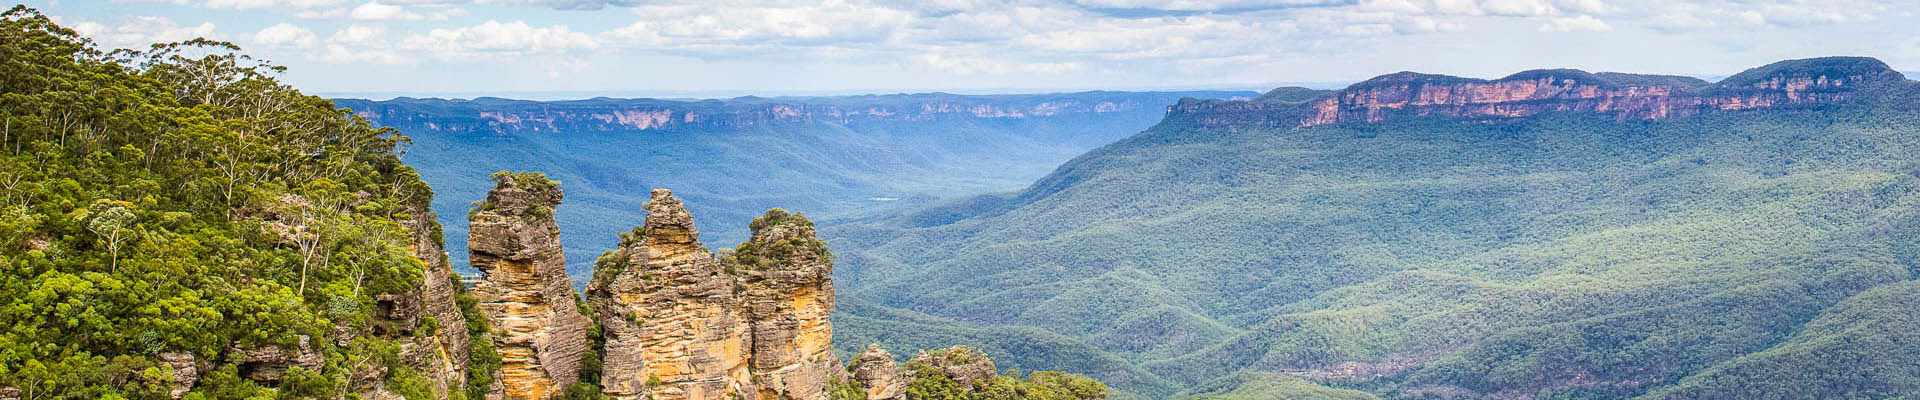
(673, 326)
(788, 294)
(527, 296)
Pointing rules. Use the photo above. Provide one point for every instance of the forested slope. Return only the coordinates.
(1596, 235)
(836, 157)
(174, 221)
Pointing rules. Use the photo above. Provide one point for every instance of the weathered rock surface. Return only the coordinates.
(185, 370)
(965, 364)
(876, 371)
(442, 354)
(1623, 96)
(681, 324)
(270, 363)
(788, 293)
(526, 295)
(673, 327)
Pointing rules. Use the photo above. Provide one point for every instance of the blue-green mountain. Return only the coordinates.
(832, 157)
(1549, 234)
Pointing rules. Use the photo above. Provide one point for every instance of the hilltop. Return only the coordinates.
(1548, 233)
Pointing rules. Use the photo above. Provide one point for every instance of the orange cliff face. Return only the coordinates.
(680, 323)
(1622, 96)
(527, 297)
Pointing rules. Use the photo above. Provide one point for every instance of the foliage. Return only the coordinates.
(932, 378)
(757, 254)
(834, 169)
(1559, 255)
(1261, 385)
(845, 390)
(179, 199)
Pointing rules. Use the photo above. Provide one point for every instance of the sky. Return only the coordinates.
(725, 48)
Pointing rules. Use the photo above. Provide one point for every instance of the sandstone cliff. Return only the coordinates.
(673, 327)
(875, 370)
(1791, 83)
(603, 114)
(682, 324)
(443, 353)
(526, 295)
(789, 293)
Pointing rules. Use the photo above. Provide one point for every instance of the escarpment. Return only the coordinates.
(682, 324)
(603, 114)
(538, 331)
(1793, 83)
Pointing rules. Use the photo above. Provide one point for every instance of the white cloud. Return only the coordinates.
(830, 21)
(496, 38)
(271, 4)
(1517, 7)
(138, 32)
(364, 43)
(374, 11)
(1203, 5)
(555, 4)
(380, 11)
(1580, 23)
(285, 35)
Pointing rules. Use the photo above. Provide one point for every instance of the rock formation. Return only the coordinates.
(789, 292)
(1622, 96)
(270, 363)
(526, 295)
(673, 327)
(443, 353)
(965, 364)
(875, 371)
(681, 324)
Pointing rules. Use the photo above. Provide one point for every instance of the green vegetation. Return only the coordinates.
(832, 169)
(947, 374)
(1262, 385)
(801, 245)
(1562, 255)
(178, 201)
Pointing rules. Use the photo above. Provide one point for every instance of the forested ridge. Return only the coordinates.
(178, 206)
(177, 223)
(1756, 251)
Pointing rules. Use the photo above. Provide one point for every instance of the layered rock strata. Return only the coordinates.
(538, 330)
(789, 293)
(673, 326)
(682, 324)
(441, 354)
(1623, 96)
(874, 370)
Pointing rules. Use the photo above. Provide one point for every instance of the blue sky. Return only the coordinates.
(722, 48)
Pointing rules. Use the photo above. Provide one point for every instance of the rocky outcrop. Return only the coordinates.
(682, 324)
(185, 370)
(789, 292)
(526, 295)
(270, 363)
(673, 326)
(875, 370)
(442, 354)
(1622, 96)
(964, 364)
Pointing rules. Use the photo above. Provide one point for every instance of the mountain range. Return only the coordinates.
(1549, 234)
(833, 157)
